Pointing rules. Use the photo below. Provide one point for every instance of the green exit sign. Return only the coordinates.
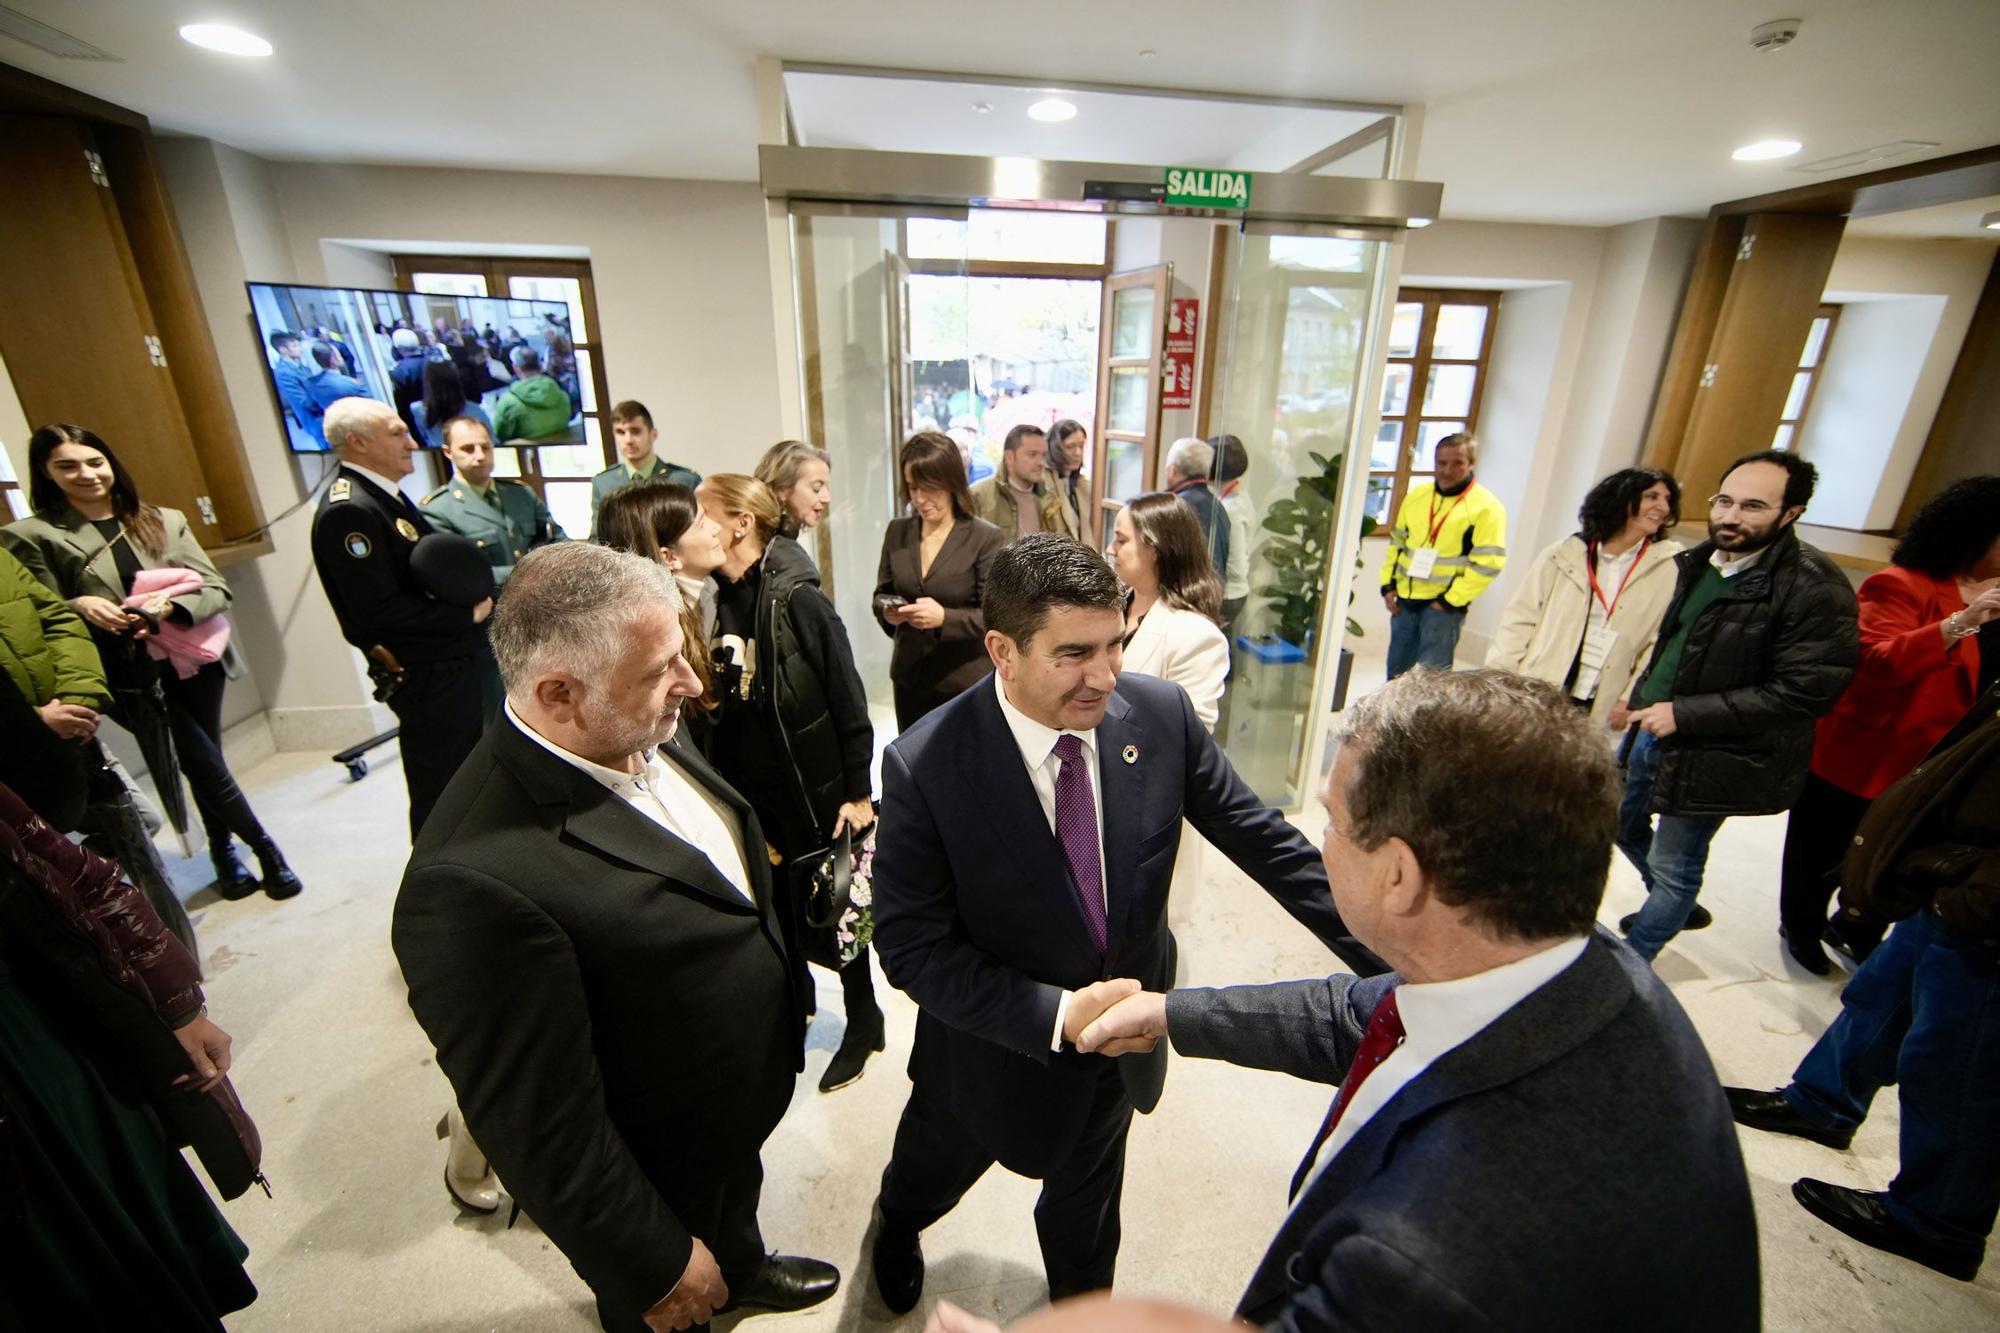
(1199, 187)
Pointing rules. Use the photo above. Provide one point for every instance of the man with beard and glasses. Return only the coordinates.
(1758, 642)
(588, 932)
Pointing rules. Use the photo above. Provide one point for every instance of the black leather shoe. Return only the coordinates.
(1769, 1111)
(864, 1036)
(1807, 953)
(1698, 919)
(899, 1266)
(1860, 1214)
(279, 881)
(785, 1282)
(232, 881)
(1854, 950)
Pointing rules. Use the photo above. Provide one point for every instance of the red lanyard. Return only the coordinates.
(1632, 569)
(1437, 519)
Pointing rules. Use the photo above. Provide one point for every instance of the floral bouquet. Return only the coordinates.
(857, 923)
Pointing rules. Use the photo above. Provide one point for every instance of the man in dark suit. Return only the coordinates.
(1528, 1133)
(1029, 829)
(588, 933)
(429, 660)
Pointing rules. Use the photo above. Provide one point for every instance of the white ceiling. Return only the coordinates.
(1585, 111)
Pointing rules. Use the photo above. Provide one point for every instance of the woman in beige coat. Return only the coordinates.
(1587, 613)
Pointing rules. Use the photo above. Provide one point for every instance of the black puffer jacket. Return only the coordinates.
(1761, 665)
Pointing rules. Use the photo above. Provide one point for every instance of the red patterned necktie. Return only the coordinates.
(1384, 1034)
(1076, 830)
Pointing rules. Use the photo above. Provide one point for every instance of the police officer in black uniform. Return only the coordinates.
(429, 659)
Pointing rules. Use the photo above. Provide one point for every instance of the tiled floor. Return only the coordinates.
(360, 1235)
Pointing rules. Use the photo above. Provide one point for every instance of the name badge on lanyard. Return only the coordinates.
(1423, 562)
(1598, 640)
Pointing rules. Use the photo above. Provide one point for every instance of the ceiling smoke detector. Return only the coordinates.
(1773, 35)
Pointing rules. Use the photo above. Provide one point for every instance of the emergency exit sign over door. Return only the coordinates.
(1201, 187)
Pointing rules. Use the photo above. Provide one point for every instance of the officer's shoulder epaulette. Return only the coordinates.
(509, 481)
(342, 489)
(435, 494)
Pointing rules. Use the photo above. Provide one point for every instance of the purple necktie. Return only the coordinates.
(1076, 829)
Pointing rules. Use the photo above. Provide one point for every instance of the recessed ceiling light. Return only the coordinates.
(231, 41)
(1148, 53)
(1765, 150)
(1422, 222)
(1991, 222)
(1053, 110)
(983, 108)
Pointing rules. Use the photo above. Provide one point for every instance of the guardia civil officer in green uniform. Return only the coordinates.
(429, 659)
(505, 518)
(632, 428)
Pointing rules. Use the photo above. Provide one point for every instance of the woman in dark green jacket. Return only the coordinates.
(88, 538)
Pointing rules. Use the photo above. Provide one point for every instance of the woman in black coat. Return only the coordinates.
(931, 579)
(792, 733)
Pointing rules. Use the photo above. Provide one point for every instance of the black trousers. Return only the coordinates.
(442, 709)
(717, 1203)
(936, 1160)
(1817, 835)
(194, 714)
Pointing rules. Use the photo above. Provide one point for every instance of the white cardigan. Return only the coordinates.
(1543, 625)
(1186, 648)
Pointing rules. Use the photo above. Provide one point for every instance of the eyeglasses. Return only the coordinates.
(1753, 508)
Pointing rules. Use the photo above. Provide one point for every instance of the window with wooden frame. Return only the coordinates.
(559, 473)
(1812, 359)
(13, 497)
(1439, 342)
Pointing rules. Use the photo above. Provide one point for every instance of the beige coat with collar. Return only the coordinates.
(64, 550)
(1542, 627)
(1186, 648)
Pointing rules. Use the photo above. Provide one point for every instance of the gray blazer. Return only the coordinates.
(1574, 1166)
(64, 550)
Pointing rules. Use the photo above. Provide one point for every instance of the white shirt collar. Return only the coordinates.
(1444, 1014)
(1037, 741)
(616, 780)
(1731, 568)
(385, 483)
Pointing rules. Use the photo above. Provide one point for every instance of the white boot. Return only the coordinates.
(468, 1178)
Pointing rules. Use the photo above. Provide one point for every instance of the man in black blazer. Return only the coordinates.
(588, 933)
(1528, 1132)
(1028, 835)
(430, 657)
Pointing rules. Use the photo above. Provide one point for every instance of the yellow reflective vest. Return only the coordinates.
(1470, 541)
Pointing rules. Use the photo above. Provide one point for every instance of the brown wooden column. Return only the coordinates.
(1757, 284)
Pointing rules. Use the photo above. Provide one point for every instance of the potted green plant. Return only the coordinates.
(1301, 528)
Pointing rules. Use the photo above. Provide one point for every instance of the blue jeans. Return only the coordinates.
(1923, 1011)
(1425, 636)
(1670, 859)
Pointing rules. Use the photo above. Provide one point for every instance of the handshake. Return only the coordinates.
(1117, 1017)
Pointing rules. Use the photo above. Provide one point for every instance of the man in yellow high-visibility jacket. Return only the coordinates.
(1448, 545)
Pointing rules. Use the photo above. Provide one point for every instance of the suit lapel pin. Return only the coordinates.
(1131, 754)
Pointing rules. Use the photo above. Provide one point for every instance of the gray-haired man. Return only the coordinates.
(588, 933)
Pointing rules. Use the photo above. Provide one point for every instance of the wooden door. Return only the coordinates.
(76, 331)
(1131, 354)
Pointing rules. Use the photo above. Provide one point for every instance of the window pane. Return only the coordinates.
(569, 505)
(1388, 444)
(1123, 463)
(1396, 390)
(1460, 331)
(450, 284)
(1428, 435)
(593, 435)
(1795, 401)
(586, 381)
(1128, 400)
(554, 289)
(1403, 327)
(506, 462)
(571, 460)
(1380, 488)
(1044, 238)
(1134, 317)
(1449, 391)
(1815, 342)
(1326, 254)
(1783, 439)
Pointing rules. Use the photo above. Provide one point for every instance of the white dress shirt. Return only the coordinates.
(1438, 1017)
(1038, 755)
(1730, 567)
(389, 484)
(670, 798)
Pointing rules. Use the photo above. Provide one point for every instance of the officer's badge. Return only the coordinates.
(358, 545)
(340, 490)
(406, 529)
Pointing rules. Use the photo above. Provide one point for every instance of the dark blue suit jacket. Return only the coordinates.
(977, 921)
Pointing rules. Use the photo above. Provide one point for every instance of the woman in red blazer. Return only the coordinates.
(1928, 646)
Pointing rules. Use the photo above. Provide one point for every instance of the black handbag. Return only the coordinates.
(828, 882)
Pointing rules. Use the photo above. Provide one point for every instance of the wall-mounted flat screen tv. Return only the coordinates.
(509, 363)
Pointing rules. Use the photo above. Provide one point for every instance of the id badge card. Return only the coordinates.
(1597, 643)
(1423, 562)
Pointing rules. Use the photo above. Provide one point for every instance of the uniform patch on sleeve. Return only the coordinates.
(358, 545)
(340, 490)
